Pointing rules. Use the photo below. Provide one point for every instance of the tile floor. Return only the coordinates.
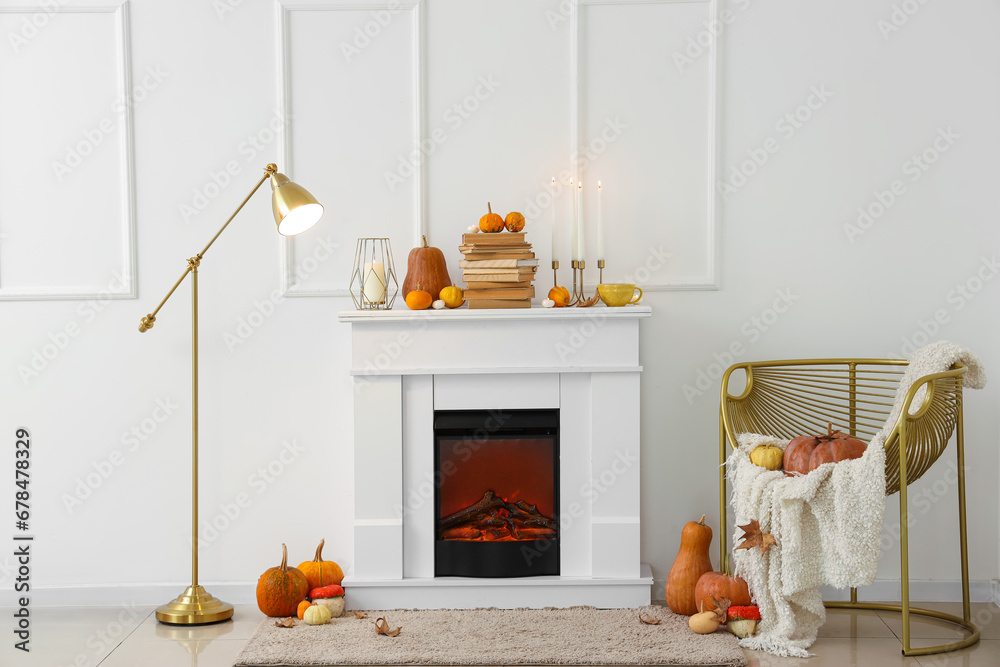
(131, 637)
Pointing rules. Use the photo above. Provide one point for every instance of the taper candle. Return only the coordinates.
(583, 226)
(555, 227)
(600, 224)
(574, 224)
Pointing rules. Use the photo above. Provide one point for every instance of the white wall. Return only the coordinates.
(210, 81)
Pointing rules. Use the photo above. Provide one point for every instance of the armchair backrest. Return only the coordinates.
(801, 396)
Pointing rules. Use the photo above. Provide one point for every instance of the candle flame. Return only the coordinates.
(598, 185)
(579, 186)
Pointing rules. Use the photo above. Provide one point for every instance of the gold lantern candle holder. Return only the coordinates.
(373, 279)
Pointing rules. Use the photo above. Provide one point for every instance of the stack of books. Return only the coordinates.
(498, 270)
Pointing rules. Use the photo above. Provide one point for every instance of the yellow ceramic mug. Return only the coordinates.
(619, 295)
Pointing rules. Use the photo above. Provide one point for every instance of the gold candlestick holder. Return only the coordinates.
(600, 268)
(577, 295)
(555, 273)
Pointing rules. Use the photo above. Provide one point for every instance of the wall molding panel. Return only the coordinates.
(122, 283)
(710, 278)
(290, 286)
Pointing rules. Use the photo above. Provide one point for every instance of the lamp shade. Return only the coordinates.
(295, 210)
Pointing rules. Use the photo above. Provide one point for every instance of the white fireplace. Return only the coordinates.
(582, 362)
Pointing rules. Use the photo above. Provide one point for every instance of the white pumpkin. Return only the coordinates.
(334, 605)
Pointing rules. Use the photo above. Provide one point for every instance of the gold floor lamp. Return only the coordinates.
(295, 211)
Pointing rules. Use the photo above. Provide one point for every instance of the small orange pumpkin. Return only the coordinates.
(514, 222)
(560, 295)
(281, 589)
(419, 299)
(321, 572)
(305, 604)
(692, 561)
(721, 585)
(491, 222)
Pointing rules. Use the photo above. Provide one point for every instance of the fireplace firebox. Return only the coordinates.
(497, 497)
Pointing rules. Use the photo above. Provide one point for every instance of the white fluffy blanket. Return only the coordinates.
(827, 524)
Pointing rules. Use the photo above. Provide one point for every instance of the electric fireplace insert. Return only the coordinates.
(497, 495)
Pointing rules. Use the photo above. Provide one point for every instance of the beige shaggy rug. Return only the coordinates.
(576, 636)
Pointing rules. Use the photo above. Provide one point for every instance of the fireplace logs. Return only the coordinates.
(495, 519)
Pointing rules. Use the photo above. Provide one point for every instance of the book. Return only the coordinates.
(496, 263)
(498, 277)
(500, 238)
(526, 272)
(517, 254)
(499, 303)
(479, 284)
(491, 249)
(511, 293)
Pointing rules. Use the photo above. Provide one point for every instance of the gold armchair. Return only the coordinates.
(797, 397)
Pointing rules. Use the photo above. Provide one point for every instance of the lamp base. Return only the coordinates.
(195, 606)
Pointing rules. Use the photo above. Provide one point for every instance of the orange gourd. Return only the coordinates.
(305, 604)
(807, 452)
(426, 266)
(281, 589)
(721, 585)
(321, 572)
(560, 295)
(514, 222)
(692, 561)
(418, 299)
(491, 222)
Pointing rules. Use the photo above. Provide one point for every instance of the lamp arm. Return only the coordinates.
(147, 322)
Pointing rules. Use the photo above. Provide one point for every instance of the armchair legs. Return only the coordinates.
(904, 608)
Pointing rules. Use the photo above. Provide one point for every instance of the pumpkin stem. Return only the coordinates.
(424, 237)
(284, 558)
(319, 552)
(701, 522)
(488, 208)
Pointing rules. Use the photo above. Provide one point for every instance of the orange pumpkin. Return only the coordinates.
(721, 585)
(301, 610)
(426, 266)
(418, 299)
(514, 222)
(560, 295)
(692, 561)
(491, 222)
(807, 452)
(281, 589)
(321, 572)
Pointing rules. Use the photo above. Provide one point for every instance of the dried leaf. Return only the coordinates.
(360, 614)
(587, 303)
(285, 623)
(382, 628)
(721, 608)
(646, 619)
(753, 536)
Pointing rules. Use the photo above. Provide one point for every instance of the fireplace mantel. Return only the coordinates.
(407, 364)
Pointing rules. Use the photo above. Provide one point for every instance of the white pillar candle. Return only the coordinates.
(374, 282)
(600, 224)
(573, 224)
(555, 228)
